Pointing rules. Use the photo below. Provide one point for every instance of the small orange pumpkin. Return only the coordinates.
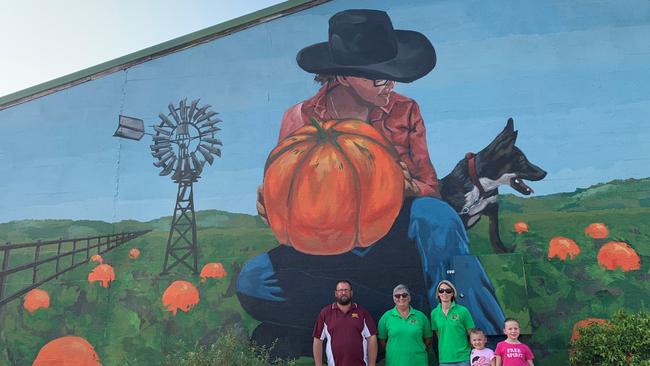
(103, 273)
(180, 295)
(134, 253)
(331, 187)
(36, 299)
(597, 230)
(96, 258)
(69, 350)
(521, 227)
(562, 247)
(616, 254)
(575, 333)
(212, 270)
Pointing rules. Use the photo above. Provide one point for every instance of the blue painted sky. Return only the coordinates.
(573, 75)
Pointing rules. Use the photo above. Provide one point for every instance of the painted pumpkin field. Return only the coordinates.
(585, 255)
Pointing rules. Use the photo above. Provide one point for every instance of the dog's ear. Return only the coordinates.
(505, 140)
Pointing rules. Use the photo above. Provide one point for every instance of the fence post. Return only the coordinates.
(37, 252)
(5, 266)
(74, 249)
(58, 258)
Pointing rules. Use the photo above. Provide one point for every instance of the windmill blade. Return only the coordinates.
(212, 149)
(206, 116)
(166, 121)
(192, 109)
(161, 160)
(162, 138)
(206, 154)
(162, 131)
(178, 173)
(197, 163)
(209, 131)
(173, 113)
(211, 122)
(160, 153)
(183, 109)
(168, 168)
(212, 141)
(160, 145)
(201, 110)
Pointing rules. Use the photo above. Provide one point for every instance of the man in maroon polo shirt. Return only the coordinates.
(349, 329)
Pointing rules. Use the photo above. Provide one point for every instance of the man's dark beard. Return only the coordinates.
(343, 300)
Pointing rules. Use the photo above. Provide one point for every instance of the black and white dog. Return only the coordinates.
(472, 186)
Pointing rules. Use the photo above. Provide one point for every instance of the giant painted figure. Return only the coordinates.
(358, 67)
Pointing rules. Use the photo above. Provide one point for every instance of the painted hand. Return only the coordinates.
(261, 210)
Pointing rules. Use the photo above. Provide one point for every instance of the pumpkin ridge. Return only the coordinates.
(295, 172)
(273, 157)
(357, 192)
(390, 148)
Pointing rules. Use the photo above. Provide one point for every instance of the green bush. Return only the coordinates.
(623, 341)
(230, 349)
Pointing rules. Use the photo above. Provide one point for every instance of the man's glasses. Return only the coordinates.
(343, 290)
(380, 82)
(403, 296)
(445, 290)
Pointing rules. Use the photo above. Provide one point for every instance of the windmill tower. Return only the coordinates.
(183, 141)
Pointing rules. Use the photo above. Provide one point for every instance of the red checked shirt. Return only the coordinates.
(399, 121)
(346, 334)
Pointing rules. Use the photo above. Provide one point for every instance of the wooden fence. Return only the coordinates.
(78, 250)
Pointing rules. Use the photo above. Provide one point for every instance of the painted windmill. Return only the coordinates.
(183, 141)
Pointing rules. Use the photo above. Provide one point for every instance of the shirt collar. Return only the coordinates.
(453, 305)
(317, 105)
(395, 312)
(353, 307)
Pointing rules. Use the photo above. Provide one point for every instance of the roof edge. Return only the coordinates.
(159, 50)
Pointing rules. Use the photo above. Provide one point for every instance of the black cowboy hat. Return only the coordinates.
(363, 43)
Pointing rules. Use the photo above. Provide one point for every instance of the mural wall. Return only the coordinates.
(229, 185)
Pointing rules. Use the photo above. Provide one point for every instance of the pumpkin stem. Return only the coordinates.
(321, 131)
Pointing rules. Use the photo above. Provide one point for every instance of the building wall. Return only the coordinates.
(572, 76)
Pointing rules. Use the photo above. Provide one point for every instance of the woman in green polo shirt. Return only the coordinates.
(404, 332)
(452, 323)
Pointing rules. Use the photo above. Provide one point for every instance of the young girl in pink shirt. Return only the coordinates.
(511, 352)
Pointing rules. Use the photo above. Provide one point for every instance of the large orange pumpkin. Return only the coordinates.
(597, 230)
(331, 187)
(212, 270)
(36, 299)
(616, 254)
(103, 273)
(180, 295)
(67, 351)
(562, 247)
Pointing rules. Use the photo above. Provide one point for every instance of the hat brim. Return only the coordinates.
(415, 58)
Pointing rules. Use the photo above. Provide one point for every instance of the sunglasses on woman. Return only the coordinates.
(445, 290)
(403, 296)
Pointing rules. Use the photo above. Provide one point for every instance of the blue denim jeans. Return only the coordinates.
(440, 236)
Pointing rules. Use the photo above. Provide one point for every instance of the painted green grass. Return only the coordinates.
(128, 325)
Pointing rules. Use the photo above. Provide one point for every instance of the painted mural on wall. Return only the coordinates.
(360, 143)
